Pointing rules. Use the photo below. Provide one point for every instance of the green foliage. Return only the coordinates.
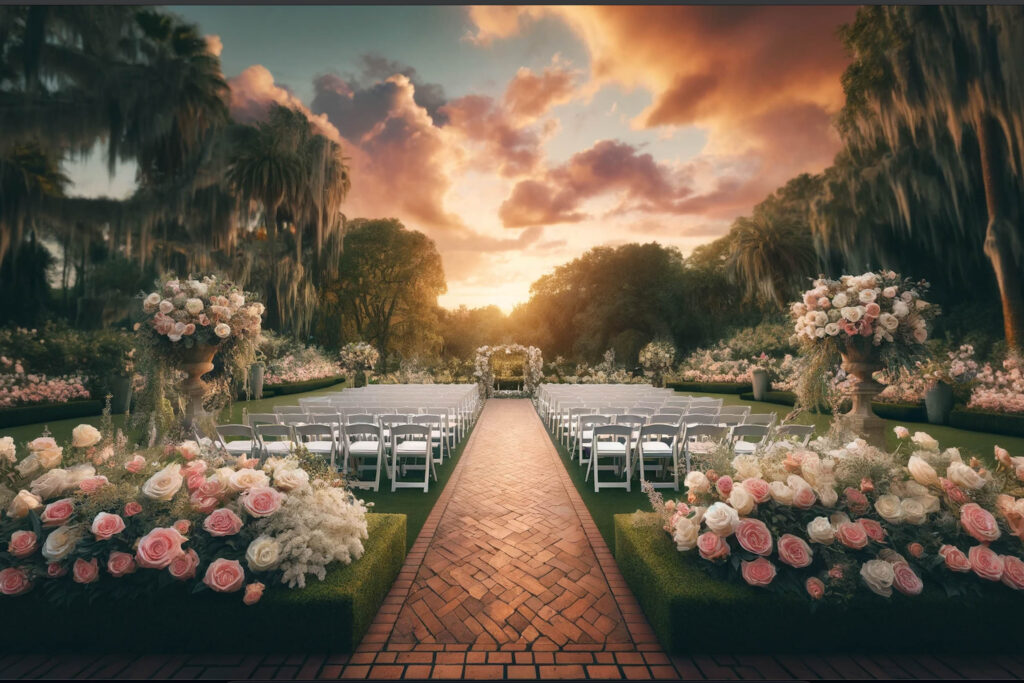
(773, 338)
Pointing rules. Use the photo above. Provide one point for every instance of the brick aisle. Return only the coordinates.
(509, 578)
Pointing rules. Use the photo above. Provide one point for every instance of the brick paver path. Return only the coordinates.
(509, 578)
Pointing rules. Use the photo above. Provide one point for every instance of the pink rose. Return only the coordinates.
(224, 576)
(815, 588)
(106, 525)
(159, 547)
(915, 549)
(202, 504)
(261, 501)
(724, 485)
(794, 551)
(212, 488)
(85, 572)
(182, 526)
(856, 501)
(92, 484)
(852, 535)
(57, 512)
(119, 564)
(952, 491)
(873, 529)
(753, 536)
(194, 467)
(760, 572)
(902, 432)
(194, 481)
(1003, 457)
(22, 544)
(14, 581)
(253, 593)
(804, 497)
(222, 522)
(190, 328)
(183, 567)
(979, 523)
(835, 572)
(203, 320)
(955, 559)
(758, 488)
(866, 485)
(905, 580)
(136, 464)
(873, 309)
(131, 509)
(247, 463)
(1013, 572)
(55, 570)
(986, 563)
(712, 547)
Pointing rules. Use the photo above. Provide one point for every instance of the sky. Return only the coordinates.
(519, 137)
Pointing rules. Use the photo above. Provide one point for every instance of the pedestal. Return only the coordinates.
(861, 364)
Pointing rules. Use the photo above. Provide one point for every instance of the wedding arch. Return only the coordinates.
(533, 367)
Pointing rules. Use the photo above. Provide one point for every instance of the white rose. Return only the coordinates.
(60, 543)
(913, 489)
(247, 478)
(929, 502)
(28, 466)
(150, 303)
(51, 484)
(721, 519)
(166, 306)
(741, 500)
(913, 511)
(889, 508)
(820, 318)
(867, 296)
(84, 436)
(953, 454)
(194, 306)
(926, 441)
(900, 309)
(840, 300)
(827, 495)
(889, 322)
(8, 451)
(889, 292)
(852, 313)
(907, 297)
(922, 472)
(50, 457)
(685, 534)
(222, 330)
(781, 493)
(962, 475)
(78, 473)
(22, 504)
(746, 467)
(263, 554)
(289, 478)
(236, 299)
(832, 329)
(820, 531)
(878, 576)
(696, 481)
(164, 484)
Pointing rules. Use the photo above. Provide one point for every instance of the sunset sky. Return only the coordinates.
(519, 137)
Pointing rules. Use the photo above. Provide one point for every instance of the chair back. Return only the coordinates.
(633, 420)
(664, 418)
(702, 410)
(314, 432)
(745, 431)
(711, 432)
(729, 420)
(803, 432)
(734, 410)
(236, 430)
(263, 418)
(763, 419)
(276, 432)
(658, 432)
(290, 410)
(360, 418)
(360, 430)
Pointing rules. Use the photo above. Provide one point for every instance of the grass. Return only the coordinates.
(605, 505)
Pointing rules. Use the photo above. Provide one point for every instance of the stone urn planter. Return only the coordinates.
(862, 362)
(256, 373)
(759, 383)
(197, 362)
(121, 395)
(938, 403)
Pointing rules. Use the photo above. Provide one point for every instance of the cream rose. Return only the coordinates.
(721, 519)
(290, 478)
(741, 500)
(925, 440)
(746, 467)
(8, 452)
(685, 534)
(263, 554)
(194, 306)
(878, 576)
(781, 493)
(60, 543)
(22, 504)
(164, 484)
(964, 476)
(820, 530)
(889, 508)
(222, 330)
(50, 457)
(50, 484)
(84, 436)
(828, 496)
(697, 482)
(922, 472)
(913, 511)
(247, 478)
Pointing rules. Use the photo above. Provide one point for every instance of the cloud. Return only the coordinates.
(214, 44)
(529, 95)
(506, 147)
(254, 91)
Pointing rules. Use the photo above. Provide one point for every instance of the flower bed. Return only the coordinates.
(691, 611)
(329, 615)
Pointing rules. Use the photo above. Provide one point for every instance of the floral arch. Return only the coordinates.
(533, 367)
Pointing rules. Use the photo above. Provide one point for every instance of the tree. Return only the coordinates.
(771, 254)
(387, 285)
(935, 95)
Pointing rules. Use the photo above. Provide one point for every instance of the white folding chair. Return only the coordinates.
(409, 443)
(246, 444)
(799, 433)
(318, 439)
(702, 438)
(275, 439)
(658, 449)
(611, 443)
(363, 445)
(747, 439)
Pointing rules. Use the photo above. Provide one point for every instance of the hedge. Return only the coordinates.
(692, 612)
(299, 387)
(901, 412)
(982, 421)
(711, 387)
(330, 615)
(782, 398)
(49, 412)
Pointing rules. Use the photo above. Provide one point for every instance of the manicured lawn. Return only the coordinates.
(605, 505)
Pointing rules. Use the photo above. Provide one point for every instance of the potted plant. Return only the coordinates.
(952, 377)
(656, 359)
(256, 373)
(759, 378)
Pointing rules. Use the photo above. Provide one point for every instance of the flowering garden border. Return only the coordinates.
(533, 368)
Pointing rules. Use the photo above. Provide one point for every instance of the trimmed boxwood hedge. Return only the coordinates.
(982, 421)
(49, 412)
(299, 387)
(782, 398)
(329, 616)
(901, 412)
(691, 611)
(711, 387)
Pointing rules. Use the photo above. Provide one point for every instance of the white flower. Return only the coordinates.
(247, 478)
(685, 534)
(51, 484)
(852, 313)
(827, 495)
(164, 484)
(953, 454)
(166, 306)
(926, 441)
(840, 300)
(721, 519)
(236, 299)
(76, 474)
(900, 309)
(889, 292)
(22, 504)
(889, 508)
(263, 554)
(888, 322)
(8, 451)
(60, 543)
(781, 493)
(922, 472)
(878, 576)
(929, 502)
(741, 500)
(222, 330)
(151, 302)
(194, 306)
(867, 296)
(696, 481)
(84, 436)
(746, 467)
(289, 478)
(820, 530)
(913, 511)
(832, 329)
(28, 466)
(962, 475)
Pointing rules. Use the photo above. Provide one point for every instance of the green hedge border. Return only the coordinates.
(49, 412)
(692, 612)
(711, 387)
(300, 387)
(982, 421)
(330, 616)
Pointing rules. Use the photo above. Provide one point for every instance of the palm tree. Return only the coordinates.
(947, 82)
(770, 254)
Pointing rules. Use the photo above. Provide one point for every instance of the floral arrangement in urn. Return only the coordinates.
(656, 359)
(828, 520)
(96, 518)
(359, 358)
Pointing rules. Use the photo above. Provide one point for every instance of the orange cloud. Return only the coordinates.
(530, 96)
(214, 44)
